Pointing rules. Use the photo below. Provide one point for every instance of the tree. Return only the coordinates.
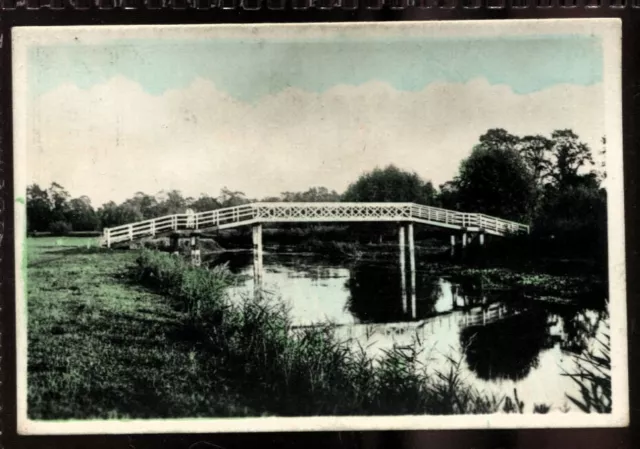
(499, 139)
(81, 215)
(204, 203)
(569, 156)
(495, 179)
(112, 214)
(58, 198)
(313, 195)
(146, 204)
(536, 151)
(230, 198)
(390, 185)
(38, 209)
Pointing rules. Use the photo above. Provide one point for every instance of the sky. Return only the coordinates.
(266, 115)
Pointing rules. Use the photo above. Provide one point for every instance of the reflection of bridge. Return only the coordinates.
(481, 316)
(257, 213)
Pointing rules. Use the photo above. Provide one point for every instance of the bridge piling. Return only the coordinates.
(412, 267)
(257, 258)
(196, 260)
(403, 270)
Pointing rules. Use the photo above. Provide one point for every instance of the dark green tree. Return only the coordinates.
(536, 152)
(569, 156)
(495, 179)
(81, 215)
(390, 185)
(112, 214)
(38, 209)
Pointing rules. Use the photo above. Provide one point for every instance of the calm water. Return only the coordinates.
(503, 340)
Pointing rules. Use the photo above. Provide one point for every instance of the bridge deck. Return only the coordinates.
(246, 214)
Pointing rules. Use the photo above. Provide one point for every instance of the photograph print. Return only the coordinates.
(280, 227)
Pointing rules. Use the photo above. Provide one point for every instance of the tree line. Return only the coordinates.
(550, 182)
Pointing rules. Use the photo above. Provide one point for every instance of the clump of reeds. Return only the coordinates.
(593, 377)
(290, 371)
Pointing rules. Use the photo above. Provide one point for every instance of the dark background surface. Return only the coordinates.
(35, 12)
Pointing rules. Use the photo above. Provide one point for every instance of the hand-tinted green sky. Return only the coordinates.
(248, 69)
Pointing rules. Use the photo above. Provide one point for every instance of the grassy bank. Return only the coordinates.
(100, 346)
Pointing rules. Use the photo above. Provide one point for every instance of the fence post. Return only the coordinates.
(153, 228)
(107, 235)
(130, 232)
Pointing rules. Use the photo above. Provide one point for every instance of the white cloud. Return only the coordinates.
(115, 139)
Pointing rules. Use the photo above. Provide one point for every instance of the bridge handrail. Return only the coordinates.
(247, 212)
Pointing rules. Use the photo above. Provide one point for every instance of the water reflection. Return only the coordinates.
(502, 336)
(506, 348)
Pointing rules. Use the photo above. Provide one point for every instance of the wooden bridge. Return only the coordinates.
(258, 213)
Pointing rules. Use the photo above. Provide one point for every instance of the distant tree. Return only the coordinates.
(313, 195)
(569, 155)
(499, 139)
(603, 164)
(59, 200)
(38, 209)
(146, 204)
(81, 215)
(390, 185)
(204, 203)
(112, 214)
(495, 179)
(230, 198)
(447, 196)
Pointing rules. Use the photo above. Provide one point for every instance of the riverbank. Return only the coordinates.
(100, 346)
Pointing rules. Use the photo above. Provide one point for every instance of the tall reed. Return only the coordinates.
(592, 375)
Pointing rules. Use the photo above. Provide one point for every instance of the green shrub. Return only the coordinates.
(60, 228)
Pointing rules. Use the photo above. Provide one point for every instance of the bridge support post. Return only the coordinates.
(196, 261)
(464, 239)
(403, 270)
(257, 258)
(453, 244)
(175, 243)
(412, 267)
(481, 238)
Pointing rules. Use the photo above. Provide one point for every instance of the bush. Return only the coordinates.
(60, 228)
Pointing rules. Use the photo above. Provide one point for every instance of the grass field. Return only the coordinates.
(100, 346)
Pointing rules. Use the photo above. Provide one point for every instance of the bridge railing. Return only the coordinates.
(309, 212)
(332, 211)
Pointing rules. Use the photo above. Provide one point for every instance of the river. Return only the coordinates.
(502, 340)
